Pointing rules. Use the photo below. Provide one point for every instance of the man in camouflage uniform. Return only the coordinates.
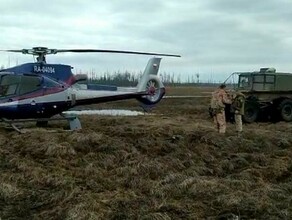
(218, 101)
(237, 107)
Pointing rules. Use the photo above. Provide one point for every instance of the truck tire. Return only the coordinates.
(251, 112)
(286, 110)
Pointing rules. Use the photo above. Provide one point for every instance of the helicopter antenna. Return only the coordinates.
(41, 52)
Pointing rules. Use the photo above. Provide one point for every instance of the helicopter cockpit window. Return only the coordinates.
(18, 84)
(9, 85)
(29, 84)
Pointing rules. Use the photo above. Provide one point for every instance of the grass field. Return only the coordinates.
(171, 164)
(188, 91)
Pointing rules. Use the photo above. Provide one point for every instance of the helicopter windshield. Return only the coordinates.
(11, 84)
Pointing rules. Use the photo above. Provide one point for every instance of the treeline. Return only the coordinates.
(117, 78)
(131, 79)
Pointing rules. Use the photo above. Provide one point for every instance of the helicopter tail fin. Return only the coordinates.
(150, 70)
(151, 84)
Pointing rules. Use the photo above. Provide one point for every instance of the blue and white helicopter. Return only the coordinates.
(38, 91)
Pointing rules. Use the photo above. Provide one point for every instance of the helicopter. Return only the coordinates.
(39, 91)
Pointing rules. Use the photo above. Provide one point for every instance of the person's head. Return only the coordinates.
(222, 86)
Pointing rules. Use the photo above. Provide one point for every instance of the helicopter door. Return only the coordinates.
(24, 89)
(30, 88)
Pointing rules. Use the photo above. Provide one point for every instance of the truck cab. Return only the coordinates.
(268, 93)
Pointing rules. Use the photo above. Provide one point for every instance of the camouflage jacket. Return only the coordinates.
(219, 99)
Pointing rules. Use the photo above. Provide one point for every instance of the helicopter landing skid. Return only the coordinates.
(74, 122)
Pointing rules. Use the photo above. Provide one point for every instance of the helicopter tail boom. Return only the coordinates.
(149, 90)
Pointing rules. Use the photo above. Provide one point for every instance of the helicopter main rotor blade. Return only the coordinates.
(42, 51)
(14, 51)
(24, 51)
(113, 51)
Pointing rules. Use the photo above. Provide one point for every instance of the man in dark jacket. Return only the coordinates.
(237, 107)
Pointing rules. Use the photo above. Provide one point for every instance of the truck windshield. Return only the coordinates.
(244, 82)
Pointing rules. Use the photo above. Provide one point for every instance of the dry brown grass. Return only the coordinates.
(170, 166)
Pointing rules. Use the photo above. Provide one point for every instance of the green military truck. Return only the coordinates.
(268, 94)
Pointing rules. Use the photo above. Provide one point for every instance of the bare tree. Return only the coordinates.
(198, 77)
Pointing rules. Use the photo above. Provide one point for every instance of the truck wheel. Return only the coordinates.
(286, 110)
(251, 112)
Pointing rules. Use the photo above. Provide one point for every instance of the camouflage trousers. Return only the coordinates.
(220, 121)
(238, 122)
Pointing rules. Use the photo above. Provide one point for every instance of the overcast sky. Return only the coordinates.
(214, 37)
